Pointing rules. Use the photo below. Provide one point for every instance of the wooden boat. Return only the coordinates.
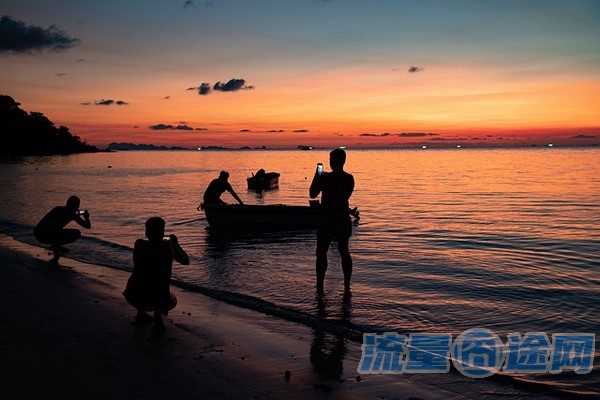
(258, 217)
(263, 180)
(235, 217)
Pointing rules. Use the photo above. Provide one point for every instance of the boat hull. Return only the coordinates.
(257, 217)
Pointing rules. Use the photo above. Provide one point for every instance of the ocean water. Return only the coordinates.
(507, 239)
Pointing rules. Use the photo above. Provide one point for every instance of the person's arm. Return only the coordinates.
(85, 221)
(316, 185)
(234, 194)
(350, 188)
(178, 253)
(137, 256)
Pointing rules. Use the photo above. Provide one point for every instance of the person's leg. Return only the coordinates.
(142, 317)
(344, 250)
(159, 325)
(60, 238)
(323, 241)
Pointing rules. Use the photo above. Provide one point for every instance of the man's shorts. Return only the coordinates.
(339, 229)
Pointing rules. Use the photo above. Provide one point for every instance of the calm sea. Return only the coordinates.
(448, 239)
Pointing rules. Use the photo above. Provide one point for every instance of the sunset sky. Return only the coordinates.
(320, 72)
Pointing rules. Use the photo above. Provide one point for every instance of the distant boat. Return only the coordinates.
(263, 180)
(304, 147)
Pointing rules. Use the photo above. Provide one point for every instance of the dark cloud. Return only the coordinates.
(80, 60)
(61, 74)
(166, 97)
(18, 37)
(384, 134)
(201, 129)
(275, 131)
(415, 134)
(204, 89)
(401, 134)
(85, 103)
(121, 103)
(300, 130)
(413, 69)
(245, 130)
(110, 102)
(232, 85)
(194, 4)
(135, 127)
(169, 127)
(584, 137)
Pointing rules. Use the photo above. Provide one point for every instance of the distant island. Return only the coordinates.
(32, 134)
(140, 147)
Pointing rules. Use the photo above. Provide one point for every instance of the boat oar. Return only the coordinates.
(188, 221)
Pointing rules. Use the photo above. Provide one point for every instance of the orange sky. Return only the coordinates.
(334, 72)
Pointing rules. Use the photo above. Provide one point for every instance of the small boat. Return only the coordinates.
(235, 217)
(263, 180)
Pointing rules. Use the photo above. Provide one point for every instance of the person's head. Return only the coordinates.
(155, 229)
(73, 203)
(337, 158)
(223, 176)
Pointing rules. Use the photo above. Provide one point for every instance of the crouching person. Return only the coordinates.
(148, 287)
(51, 228)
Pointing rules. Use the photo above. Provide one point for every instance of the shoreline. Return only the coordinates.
(241, 352)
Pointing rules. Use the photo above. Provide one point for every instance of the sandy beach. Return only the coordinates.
(69, 332)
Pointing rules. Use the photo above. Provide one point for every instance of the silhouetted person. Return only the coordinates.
(148, 287)
(336, 188)
(218, 186)
(50, 230)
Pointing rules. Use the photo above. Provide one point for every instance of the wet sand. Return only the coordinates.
(68, 332)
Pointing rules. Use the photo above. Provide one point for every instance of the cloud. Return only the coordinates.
(18, 37)
(275, 131)
(232, 85)
(169, 127)
(80, 60)
(414, 69)
(204, 89)
(201, 129)
(300, 130)
(415, 134)
(61, 74)
(193, 4)
(584, 137)
(85, 103)
(401, 134)
(384, 134)
(166, 97)
(245, 130)
(110, 102)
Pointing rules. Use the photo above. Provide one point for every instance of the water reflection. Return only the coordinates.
(327, 350)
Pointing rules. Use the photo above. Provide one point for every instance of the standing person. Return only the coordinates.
(51, 228)
(218, 186)
(148, 287)
(336, 188)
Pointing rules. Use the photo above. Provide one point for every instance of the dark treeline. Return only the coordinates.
(32, 133)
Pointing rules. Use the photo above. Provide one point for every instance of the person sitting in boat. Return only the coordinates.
(51, 228)
(218, 186)
(336, 188)
(148, 287)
